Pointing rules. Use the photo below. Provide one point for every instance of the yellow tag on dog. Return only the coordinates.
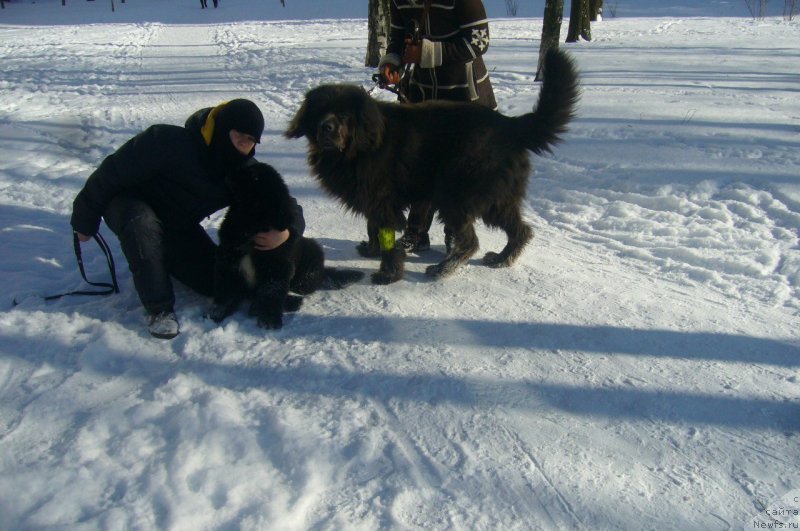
(386, 239)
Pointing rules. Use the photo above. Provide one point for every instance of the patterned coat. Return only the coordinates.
(455, 37)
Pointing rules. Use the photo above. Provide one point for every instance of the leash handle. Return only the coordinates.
(414, 32)
(377, 78)
(113, 287)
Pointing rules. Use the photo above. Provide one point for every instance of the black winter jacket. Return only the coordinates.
(168, 167)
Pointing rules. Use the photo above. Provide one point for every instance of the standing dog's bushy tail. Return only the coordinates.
(542, 128)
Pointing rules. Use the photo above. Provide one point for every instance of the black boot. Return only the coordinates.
(415, 242)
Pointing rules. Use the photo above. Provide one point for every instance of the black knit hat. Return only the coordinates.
(242, 115)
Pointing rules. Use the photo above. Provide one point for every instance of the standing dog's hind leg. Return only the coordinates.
(517, 231)
(464, 244)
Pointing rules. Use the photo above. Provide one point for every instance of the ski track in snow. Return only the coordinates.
(637, 368)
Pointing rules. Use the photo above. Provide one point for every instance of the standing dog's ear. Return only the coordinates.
(315, 104)
(298, 127)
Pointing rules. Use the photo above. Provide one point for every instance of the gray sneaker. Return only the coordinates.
(163, 325)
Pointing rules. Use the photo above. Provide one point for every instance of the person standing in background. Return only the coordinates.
(447, 65)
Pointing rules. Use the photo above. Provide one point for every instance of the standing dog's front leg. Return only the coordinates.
(371, 247)
(392, 259)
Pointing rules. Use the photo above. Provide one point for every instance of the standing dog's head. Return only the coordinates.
(339, 119)
(260, 198)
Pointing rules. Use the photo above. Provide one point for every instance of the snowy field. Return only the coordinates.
(636, 369)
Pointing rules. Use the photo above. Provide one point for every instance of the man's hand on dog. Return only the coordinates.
(267, 241)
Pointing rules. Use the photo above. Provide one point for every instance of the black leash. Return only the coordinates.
(381, 84)
(110, 288)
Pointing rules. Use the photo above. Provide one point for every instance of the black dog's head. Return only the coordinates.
(260, 198)
(339, 118)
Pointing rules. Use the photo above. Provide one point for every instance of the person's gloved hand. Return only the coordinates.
(391, 75)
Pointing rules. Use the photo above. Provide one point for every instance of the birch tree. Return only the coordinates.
(579, 25)
(595, 10)
(551, 30)
(378, 36)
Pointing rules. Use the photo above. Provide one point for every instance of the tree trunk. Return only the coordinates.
(551, 30)
(579, 25)
(789, 9)
(595, 10)
(379, 29)
(512, 6)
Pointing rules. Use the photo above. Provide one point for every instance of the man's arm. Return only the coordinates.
(136, 161)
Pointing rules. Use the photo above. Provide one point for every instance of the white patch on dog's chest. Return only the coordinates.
(248, 271)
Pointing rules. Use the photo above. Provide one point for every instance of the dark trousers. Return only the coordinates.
(155, 253)
(420, 217)
(203, 4)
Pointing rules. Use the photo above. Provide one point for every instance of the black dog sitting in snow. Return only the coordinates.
(261, 202)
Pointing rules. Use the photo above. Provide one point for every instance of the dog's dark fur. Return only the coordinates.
(468, 161)
(260, 202)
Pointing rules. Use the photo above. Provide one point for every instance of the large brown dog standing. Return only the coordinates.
(468, 161)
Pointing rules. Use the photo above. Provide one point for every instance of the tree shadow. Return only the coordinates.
(726, 347)
(309, 378)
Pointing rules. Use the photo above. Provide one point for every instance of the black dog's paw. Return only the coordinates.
(382, 278)
(292, 303)
(434, 271)
(270, 322)
(392, 266)
(267, 316)
(442, 269)
(368, 250)
(495, 260)
(217, 313)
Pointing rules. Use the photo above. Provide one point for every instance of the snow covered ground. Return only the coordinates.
(636, 369)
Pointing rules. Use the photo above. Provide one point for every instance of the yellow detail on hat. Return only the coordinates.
(208, 127)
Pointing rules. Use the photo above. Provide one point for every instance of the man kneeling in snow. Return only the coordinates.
(154, 191)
